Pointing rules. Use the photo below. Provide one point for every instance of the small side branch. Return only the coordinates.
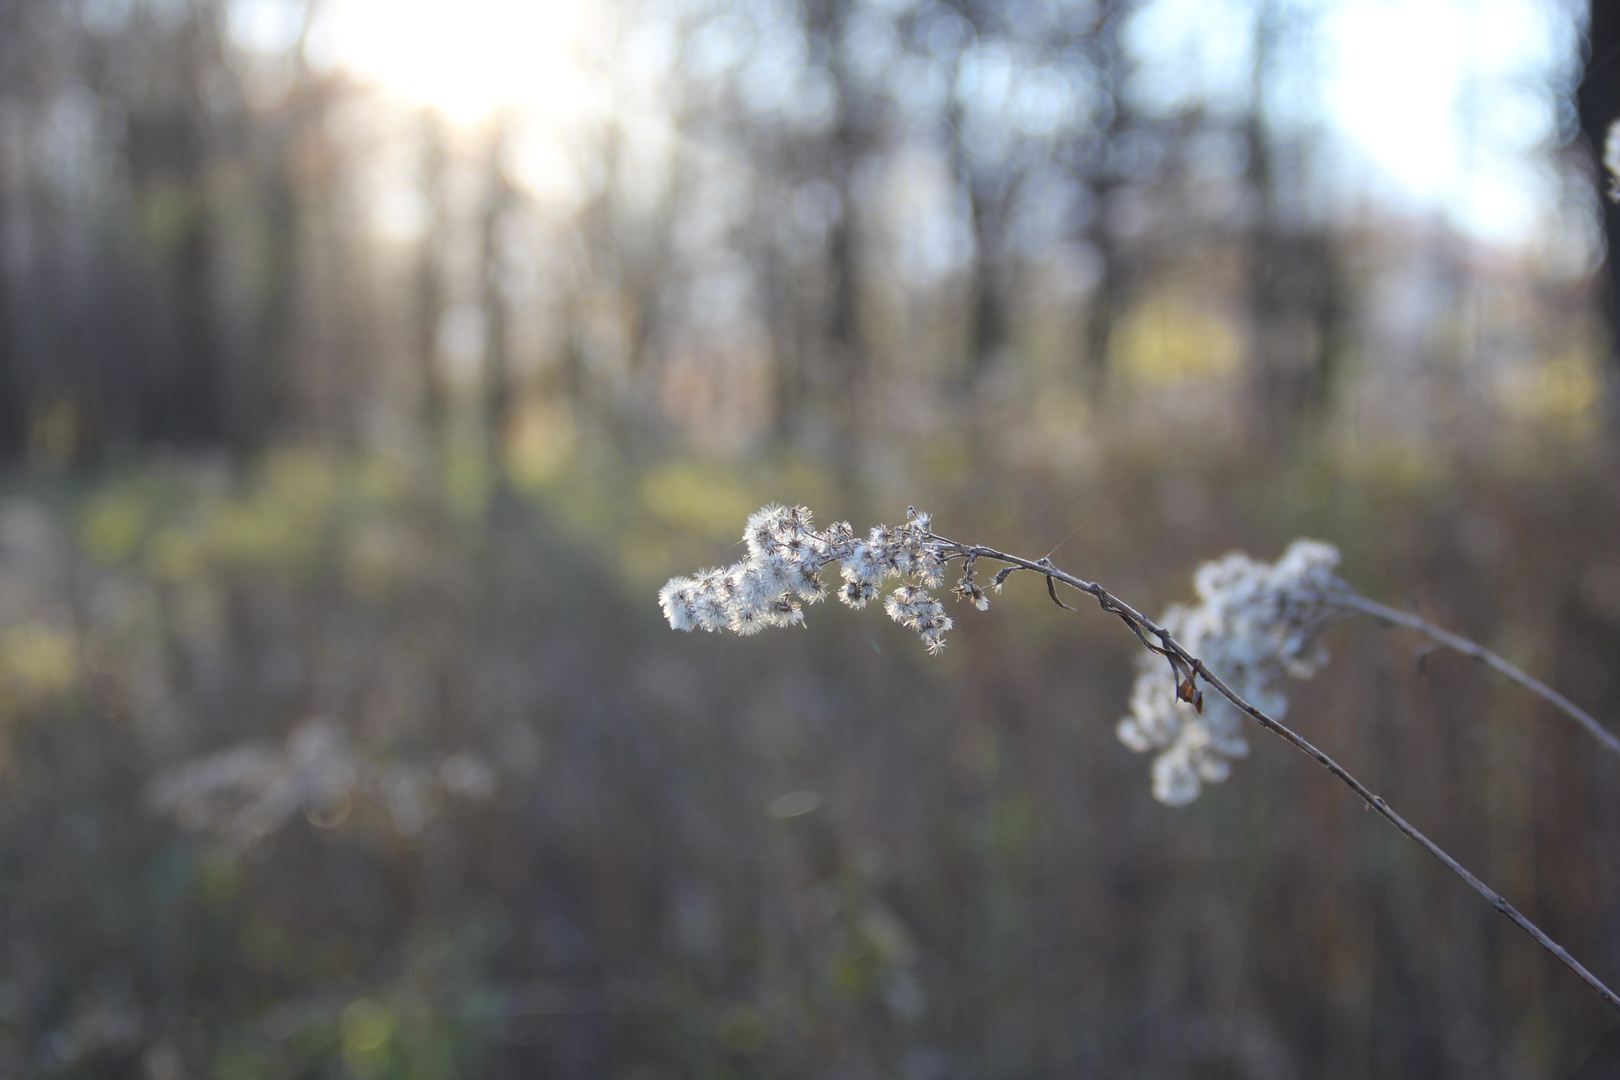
(1051, 587)
(1457, 643)
(1145, 628)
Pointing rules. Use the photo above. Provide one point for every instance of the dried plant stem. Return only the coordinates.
(1458, 643)
(1146, 628)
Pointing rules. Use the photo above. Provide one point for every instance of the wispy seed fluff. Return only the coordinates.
(914, 609)
(1253, 622)
(782, 573)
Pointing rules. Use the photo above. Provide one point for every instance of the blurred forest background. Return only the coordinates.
(365, 367)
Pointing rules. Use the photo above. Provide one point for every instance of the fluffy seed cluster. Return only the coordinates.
(783, 573)
(1253, 622)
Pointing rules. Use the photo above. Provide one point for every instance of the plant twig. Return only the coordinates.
(1457, 643)
(1144, 627)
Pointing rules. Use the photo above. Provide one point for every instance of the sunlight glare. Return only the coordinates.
(1460, 128)
(472, 59)
(1424, 105)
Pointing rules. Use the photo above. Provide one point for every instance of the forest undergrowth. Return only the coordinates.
(350, 760)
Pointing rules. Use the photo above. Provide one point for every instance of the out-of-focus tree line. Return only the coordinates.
(807, 225)
(345, 440)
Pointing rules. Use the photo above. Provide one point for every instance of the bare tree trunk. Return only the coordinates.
(988, 211)
(846, 361)
(12, 413)
(1106, 297)
(1293, 298)
(781, 316)
(497, 380)
(1598, 101)
(428, 286)
(990, 321)
(263, 398)
(198, 403)
(1110, 291)
(264, 395)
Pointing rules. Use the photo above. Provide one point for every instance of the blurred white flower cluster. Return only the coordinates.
(1253, 622)
(783, 572)
(246, 792)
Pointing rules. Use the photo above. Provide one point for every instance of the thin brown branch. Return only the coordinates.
(1457, 643)
(1144, 627)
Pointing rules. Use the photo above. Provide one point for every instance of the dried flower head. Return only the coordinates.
(1253, 622)
(783, 571)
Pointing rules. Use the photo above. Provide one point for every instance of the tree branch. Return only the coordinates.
(1457, 643)
(1144, 627)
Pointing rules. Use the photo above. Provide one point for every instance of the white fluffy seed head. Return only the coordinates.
(969, 590)
(913, 608)
(807, 582)
(1253, 622)
(764, 529)
(865, 564)
(784, 568)
(678, 599)
(713, 607)
(857, 594)
(747, 621)
(929, 569)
